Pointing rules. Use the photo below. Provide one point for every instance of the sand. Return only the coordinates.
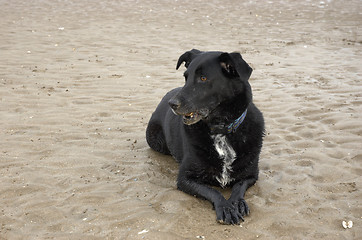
(80, 79)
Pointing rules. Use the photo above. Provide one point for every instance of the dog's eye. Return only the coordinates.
(203, 78)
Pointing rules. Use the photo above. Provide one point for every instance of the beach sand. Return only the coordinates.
(79, 81)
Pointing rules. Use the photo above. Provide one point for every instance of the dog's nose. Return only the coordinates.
(174, 103)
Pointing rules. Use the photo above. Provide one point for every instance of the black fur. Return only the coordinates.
(215, 94)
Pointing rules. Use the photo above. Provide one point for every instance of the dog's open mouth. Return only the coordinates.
(191, 118)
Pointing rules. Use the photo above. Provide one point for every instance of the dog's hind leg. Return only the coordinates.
(155, 138)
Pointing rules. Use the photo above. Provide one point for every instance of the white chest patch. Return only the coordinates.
(227, 155)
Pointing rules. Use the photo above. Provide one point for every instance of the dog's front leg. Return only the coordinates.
(237, 196)
(226, 212)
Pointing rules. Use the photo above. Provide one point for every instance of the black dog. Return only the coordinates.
(213, 129)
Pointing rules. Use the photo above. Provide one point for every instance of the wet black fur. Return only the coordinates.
(220, 101)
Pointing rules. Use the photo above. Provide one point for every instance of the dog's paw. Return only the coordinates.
(227, 213)
(241, 206)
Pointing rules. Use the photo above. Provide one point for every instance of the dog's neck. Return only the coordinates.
(227, 127)
(229, 115)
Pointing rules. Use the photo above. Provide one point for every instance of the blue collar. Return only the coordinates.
(234, 125)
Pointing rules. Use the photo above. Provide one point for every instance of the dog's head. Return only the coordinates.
(211, 78)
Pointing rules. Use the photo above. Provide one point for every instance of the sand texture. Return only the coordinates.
(80, 79)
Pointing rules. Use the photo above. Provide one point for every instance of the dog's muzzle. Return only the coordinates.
(188, 117)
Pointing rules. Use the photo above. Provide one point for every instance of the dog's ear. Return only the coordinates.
(234, 65)
(187, 57)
